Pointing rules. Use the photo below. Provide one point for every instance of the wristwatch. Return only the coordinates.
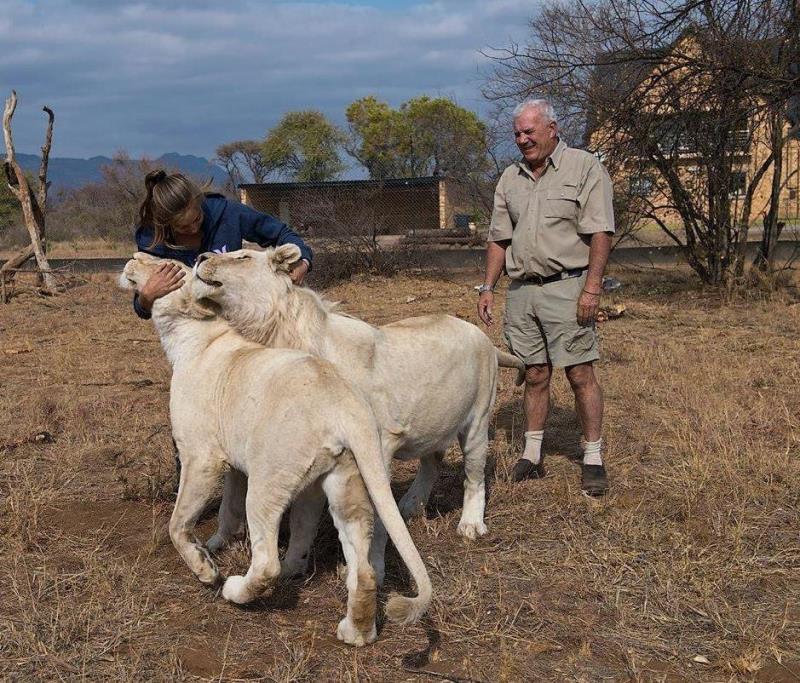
(485, 288)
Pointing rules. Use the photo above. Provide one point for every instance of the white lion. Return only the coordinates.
(293, 426)
(429, 379)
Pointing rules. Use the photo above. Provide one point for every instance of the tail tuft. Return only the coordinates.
(404, 611)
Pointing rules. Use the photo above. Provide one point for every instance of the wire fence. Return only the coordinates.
(408, 207)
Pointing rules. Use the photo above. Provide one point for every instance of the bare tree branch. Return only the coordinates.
(48, 141)
(676, 89)
(32, 211)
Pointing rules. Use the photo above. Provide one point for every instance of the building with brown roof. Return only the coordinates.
(395, 206)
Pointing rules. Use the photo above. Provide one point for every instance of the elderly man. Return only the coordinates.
(551, 228)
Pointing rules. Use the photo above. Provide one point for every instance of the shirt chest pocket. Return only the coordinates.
(562, 202)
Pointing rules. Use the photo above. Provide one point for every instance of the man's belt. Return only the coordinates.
(563, 275)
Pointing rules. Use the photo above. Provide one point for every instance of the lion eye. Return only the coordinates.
(242, 257)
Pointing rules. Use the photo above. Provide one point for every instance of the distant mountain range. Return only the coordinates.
(66, 173)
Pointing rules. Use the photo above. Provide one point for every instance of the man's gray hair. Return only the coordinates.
(543, 106)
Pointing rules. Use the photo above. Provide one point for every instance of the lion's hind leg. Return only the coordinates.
(352, 514)
(474, 442)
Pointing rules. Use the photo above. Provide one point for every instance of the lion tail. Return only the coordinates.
(366, 448)
(506, 360)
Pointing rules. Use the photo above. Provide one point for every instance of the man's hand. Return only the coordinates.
(485, 303)
(588, 303)
(298, 273)
(167, 278)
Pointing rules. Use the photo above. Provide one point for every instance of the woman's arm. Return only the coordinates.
(267, 231)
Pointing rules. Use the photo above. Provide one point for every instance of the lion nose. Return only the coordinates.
(202, 257)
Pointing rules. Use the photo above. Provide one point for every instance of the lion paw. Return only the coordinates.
(208, 572)
(472, 530)
(348, 633)
(236, 590)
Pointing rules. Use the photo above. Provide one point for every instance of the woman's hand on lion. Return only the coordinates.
(298, 273)
(167, 278)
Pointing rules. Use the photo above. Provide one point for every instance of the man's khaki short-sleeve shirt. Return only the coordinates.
(547, 219)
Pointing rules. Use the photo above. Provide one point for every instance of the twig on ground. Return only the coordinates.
(225, 653)
(138, 383)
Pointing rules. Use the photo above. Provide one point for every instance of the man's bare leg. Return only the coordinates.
(589, 403)
(536, 405)
(588, 399)
(536, 400)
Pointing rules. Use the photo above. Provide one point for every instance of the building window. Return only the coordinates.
(741, 137)
(738, 183)
(691, 132)
(792, 193)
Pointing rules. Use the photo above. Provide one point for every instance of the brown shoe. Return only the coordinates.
(594, 480)
(525, 469)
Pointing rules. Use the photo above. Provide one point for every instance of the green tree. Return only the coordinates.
(244, 161)
(425, 136)
(379, 139)
(304, 147)
(445, 138)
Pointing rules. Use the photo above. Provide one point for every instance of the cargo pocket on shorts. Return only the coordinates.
(581, 341)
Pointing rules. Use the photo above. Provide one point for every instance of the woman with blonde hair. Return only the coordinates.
(178, 220)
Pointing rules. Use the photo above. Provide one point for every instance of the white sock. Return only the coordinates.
(593, 452)
(533, 446)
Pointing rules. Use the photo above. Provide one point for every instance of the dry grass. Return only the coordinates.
(696, 553)
(83, 247)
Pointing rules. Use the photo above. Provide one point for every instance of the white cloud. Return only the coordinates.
(186, 76)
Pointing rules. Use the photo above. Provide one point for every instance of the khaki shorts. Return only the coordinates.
(541, 324)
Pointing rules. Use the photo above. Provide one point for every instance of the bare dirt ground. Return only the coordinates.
(689, 570)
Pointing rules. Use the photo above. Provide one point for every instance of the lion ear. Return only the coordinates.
(284, 257)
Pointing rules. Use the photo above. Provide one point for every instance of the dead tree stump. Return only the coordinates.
(33, 204)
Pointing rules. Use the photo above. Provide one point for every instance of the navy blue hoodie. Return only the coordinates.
(225, 225)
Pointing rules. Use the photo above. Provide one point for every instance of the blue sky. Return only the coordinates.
(155, 76)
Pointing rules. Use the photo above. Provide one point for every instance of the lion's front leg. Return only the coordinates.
(199, 480)
(267, 498)
(304, 517)
(413, 503)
